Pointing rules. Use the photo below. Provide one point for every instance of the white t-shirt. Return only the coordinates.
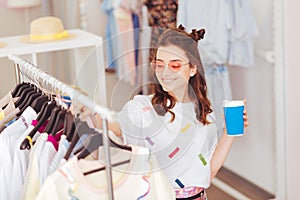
(20, 164)
(132, 180)
(8, 138)
(45, 158)
(183, 147)
(32, 181)
(62, 150)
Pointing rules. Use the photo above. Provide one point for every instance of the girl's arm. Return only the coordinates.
(220, 154)
(223, 148)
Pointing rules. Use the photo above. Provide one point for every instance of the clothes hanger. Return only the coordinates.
(28, 101)
(69, 126)
(23, 94)
(38, 103)
(24, 87)
(52, 119)
(59, 122)
(103, 168)
(31, 98)
(81, 128)
(41, 118)
(94, 142)
(18, 88)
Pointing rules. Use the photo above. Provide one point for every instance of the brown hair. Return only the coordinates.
(164, 102)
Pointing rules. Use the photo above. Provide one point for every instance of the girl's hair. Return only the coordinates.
(164, 102)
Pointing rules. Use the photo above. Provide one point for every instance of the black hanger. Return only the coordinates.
(81, 128)
(20, 103)
(69, 126)
(103, 168)
(28, 101)
(24, 93)
(38, 103)
(121, 146)
(24, 87)
(18, 88)
(95, 141)
(59, 122)
(41, 118)
(52, 119)
(46, 111)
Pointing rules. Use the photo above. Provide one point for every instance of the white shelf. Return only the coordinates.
(16, 46)
(89, 78)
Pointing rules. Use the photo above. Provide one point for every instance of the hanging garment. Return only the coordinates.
(20, 162)
(110, 42)
(32, 181)
(62, 150)
(134, 180)
(8, 138)
(213, 16)
(162, 13)
(9, 112)
(126, 51)
(230, 28)
(244, 30)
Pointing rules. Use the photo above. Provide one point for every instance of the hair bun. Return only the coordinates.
(198, 35)
(181, 27)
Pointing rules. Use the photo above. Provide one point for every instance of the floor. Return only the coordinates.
(214, 193)
(229, 186)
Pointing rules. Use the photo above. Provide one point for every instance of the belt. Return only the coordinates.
(190, 193)
(199, 195)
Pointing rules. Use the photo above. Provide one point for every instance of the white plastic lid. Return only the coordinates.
(233, 103)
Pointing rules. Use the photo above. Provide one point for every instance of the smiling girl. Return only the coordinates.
(177, 122)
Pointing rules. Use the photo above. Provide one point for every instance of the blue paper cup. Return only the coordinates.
(233, 112)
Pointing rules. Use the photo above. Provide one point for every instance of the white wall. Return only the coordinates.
(13, 22)
(292, 43)
(253, 155)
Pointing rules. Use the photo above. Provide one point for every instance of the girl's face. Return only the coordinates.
(173, 71)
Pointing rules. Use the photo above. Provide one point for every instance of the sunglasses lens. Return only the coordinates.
(159, 66)
(175, 65)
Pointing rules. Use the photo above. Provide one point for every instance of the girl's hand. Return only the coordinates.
(245, 116)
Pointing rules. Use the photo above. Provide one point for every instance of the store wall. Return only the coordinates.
(13, 22)
(253, 155)
(292, 69)
(16, 21)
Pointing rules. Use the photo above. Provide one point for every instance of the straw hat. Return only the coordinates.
(46, 29)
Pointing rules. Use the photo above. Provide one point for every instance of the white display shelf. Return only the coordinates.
(16, 46)
(82, 45)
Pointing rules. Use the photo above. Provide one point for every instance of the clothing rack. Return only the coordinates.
(42, 79)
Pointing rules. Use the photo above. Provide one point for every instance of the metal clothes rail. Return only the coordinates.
(47, 81)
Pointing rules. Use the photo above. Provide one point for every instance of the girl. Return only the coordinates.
(176, 122)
